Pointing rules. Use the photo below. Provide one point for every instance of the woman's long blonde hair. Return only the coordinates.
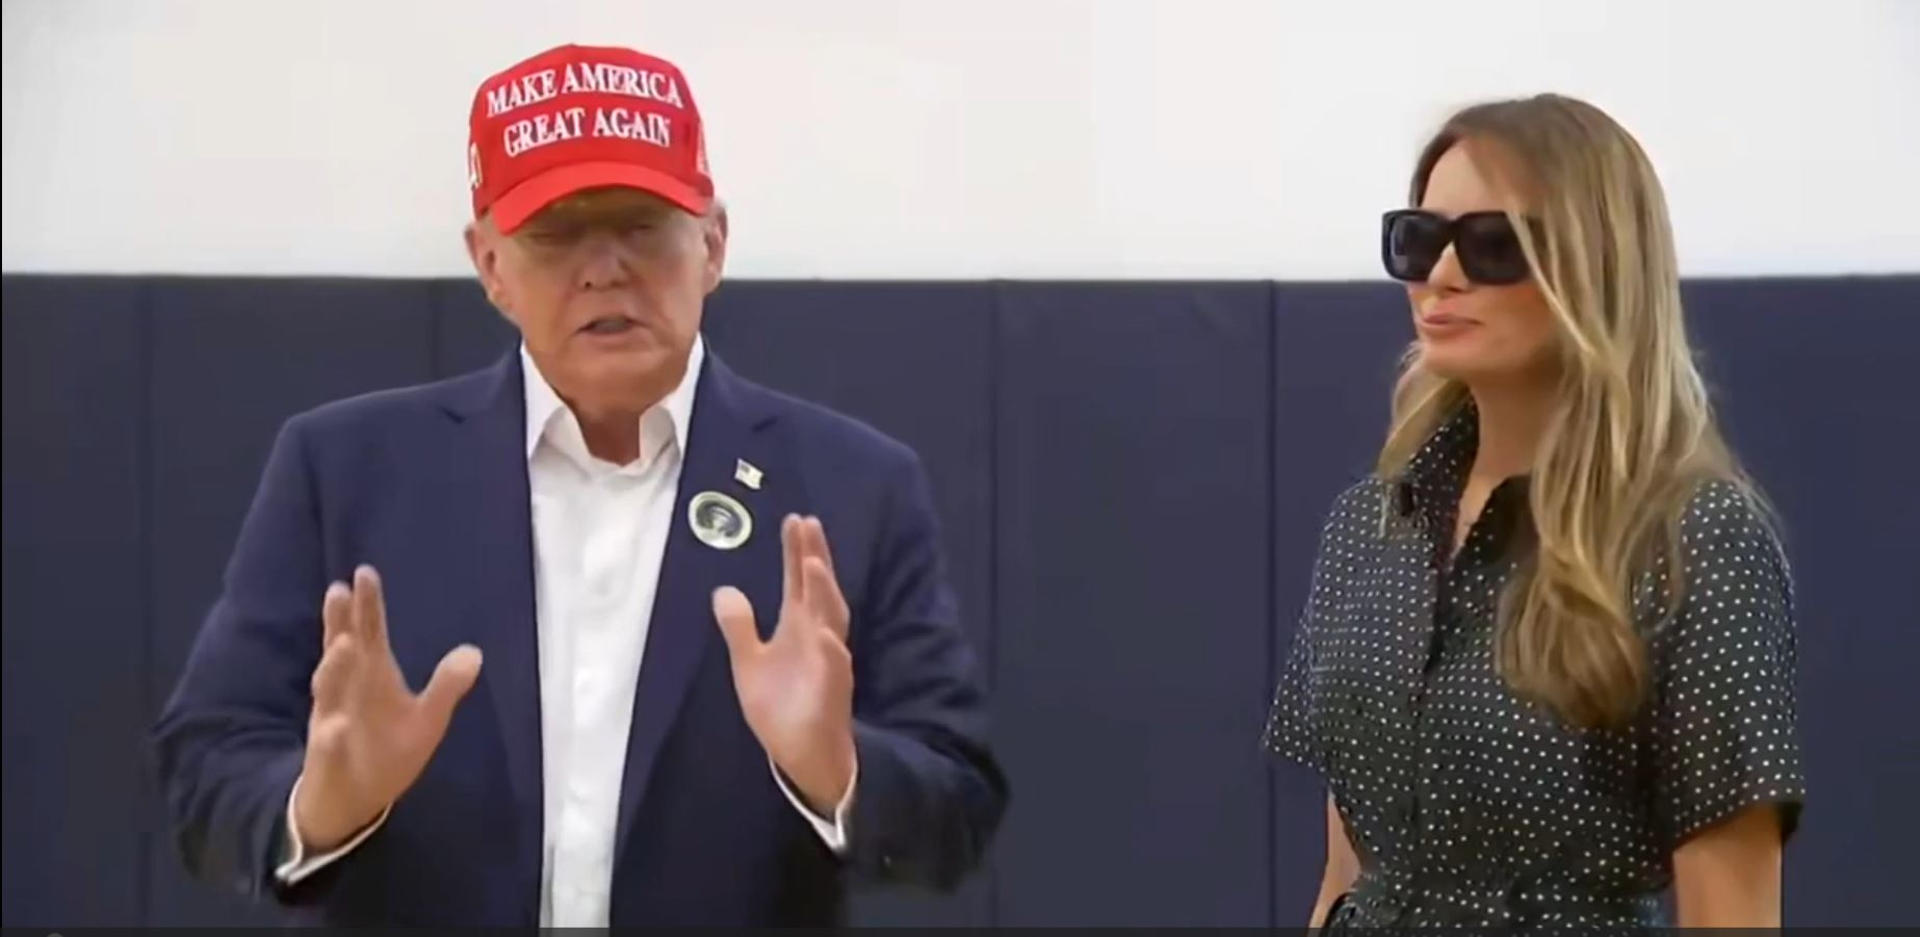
(1632, 433)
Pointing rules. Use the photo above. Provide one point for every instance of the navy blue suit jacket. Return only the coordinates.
(429, 485)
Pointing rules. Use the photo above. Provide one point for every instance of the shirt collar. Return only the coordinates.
(1436, 476)
(548, 416)
(1438, 470)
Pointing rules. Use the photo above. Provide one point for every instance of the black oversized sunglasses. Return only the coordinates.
(1412, 240)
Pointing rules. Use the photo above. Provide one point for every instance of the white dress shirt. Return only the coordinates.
(600, 532)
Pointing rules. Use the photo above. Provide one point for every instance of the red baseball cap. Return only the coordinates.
(582, 117)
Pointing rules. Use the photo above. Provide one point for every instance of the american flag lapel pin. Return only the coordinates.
(747, 474)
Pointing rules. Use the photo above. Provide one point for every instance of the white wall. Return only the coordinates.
(943, 139)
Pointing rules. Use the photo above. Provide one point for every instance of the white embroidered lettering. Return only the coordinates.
(529, 89)
(583, 78)
(627, 125)
(542, 129)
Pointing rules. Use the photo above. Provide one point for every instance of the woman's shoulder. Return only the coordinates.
(1362, 501)
(1731, 560)
(1349, 532)
(1356, 513)
(1725, 518)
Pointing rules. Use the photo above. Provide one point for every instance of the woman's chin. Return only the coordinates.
(1446, 360)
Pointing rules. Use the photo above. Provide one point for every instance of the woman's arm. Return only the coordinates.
(1342, 866)
(1728, 875)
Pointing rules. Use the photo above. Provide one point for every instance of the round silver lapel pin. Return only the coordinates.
(719, 521)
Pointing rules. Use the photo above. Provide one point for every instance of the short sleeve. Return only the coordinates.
(1289, 732)
(1726, 717)
(1294, 728)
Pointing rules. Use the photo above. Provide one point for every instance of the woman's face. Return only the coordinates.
(1473, 332)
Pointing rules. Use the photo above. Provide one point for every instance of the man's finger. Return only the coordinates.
(336, 614)
(791, 549)
(332, 677)
(734, 613)
(824, 598)
(452, 678)
(816, 541)
(370, 608)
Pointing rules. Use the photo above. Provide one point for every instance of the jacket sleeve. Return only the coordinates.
(228, 745)
(930, 794)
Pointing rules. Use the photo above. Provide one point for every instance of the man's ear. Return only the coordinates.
(714, 231)
(483, 249)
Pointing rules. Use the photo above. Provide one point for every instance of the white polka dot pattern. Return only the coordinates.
(1471, 806)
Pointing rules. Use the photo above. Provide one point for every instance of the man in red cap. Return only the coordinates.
(691, 710)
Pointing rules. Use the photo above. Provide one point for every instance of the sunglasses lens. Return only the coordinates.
(1411, 243)
(1489, 250)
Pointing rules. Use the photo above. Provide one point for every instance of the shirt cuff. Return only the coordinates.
(298, 864)
(832, 832)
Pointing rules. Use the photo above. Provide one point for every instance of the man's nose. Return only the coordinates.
(605, 264)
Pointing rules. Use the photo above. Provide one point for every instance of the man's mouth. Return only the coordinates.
(609, 325)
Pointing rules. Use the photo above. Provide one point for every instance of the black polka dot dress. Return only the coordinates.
(1469, 806)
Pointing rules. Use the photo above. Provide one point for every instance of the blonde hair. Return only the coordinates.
(1632, 433)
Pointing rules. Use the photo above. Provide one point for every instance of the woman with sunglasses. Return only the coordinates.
(1547, 665)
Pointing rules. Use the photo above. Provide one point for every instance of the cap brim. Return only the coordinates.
(523, 201)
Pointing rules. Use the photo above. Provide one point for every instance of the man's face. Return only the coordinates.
(607, 288)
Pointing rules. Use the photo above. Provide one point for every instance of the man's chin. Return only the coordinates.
(645, 365)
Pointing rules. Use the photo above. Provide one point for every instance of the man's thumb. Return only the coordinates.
(734, 613)
(451, 680)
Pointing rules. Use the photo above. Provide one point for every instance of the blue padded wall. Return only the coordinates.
(77, 627)
(1132, 481)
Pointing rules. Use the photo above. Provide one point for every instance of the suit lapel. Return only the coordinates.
(682, 630)
(490, 526)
